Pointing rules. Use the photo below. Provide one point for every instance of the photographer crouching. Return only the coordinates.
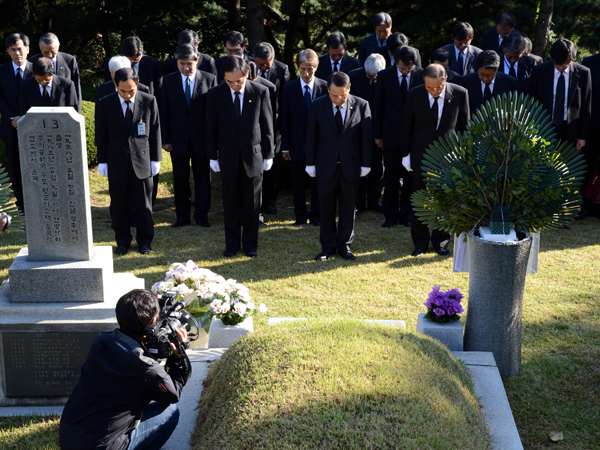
(125, 399)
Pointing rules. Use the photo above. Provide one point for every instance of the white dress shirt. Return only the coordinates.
(440, 105)
(556, 75)
(491, 86)
(124, 105)
(48, 88)
(339, 64)
(311, 86)
(342, 111)
(241, 97)
(407, 78)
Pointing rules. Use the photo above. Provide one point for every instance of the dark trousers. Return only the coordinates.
(396, 207)
(420, 233)
(300, 179)
(241, 205)
(155, 187)
(119, 190)
(369, 187)
(337, 193)
(14, 171)
(181, 185)
(270, 184)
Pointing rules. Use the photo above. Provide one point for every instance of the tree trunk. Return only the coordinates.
(255, 24)
(234, 14)
(290, 36)
(542, 31)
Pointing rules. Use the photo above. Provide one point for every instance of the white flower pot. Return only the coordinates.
(222, 336)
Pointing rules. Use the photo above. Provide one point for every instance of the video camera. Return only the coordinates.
(162, 333)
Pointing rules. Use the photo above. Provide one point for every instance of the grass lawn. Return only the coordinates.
(560, 386)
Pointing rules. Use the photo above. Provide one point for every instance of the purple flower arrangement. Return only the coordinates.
(444, 307)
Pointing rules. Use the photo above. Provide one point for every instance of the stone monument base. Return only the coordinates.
(43, 345)
(61, 281)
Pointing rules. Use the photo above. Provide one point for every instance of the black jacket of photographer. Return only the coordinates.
(118, 380)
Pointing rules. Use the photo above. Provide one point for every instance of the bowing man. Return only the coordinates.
(336, 58)
(514, 62)
(373, 43)
(239, 144)
(338, 153)
(462, 54)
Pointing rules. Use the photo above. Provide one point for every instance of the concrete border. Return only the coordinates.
(276, 320)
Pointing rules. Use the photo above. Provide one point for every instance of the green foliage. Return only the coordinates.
(507, 157)
(90, 132)
(7, 205)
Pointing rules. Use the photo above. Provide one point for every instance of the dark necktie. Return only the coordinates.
(335, 66)
(307, 97)
(511, 71)
(487, 93)
(338, 119)
(237, 106)
(435, 112)
(134, 67)
(128, 113)
(559, 100)
(19, 77)
(265, 75)
(381, 42)
(373, 88)
(403, 87)
(46, 97)
(460, 64)
(188, 91)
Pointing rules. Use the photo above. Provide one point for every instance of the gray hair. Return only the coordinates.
(118, 62)
(264, 50)
(435, 71)
(48, 39)
(374, 63)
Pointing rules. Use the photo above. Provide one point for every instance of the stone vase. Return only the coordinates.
(496, 284)
(222, 336)
(450, 333)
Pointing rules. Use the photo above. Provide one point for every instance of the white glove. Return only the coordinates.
(267, 164)
(214, 165)
(311, 171)
(406, 163)
(155, 167)
(103, 169)
(364, 171)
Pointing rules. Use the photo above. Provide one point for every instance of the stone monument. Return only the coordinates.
(62, 290)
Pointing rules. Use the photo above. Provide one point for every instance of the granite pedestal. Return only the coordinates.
(222, 336)
(450, 333)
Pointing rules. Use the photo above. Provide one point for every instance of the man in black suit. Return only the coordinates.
(442, 57)
(373, 43)
(338, 153)
(462, 54)
(298, 96)
(564, 88)
(538, 59)
(12, 75)
(235, 45)
(593, 141)
(432, 111)
(239, 144)
(205, 63)
(278, 74)
(390, 97)
(336, 59)
(65, 65)
(393, 42)
(493, 38)
(487, 82)
(46, 89)
(182, 114)
(514, 62)
(363, 84)
(108, 87)
(129, 154)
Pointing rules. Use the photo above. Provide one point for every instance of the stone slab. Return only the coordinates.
(56, 191)
(450, 334)
(276, 320)
(61, 281)
(222, 336)
(492, 397)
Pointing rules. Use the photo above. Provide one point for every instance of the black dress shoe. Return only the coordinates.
(348, 256)
(408, 224)
(203, 223)
(181, 223)
(268, 209)
(251, 254)
(316, 222)
(121, 250)
(389, 223)
(418, 252)
(145, 249)
(324, 255)
(299, 223)
(443, 252)
(228, 254)
(582, 214)
(376, 207)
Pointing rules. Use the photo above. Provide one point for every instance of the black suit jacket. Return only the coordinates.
(579, 97)
(274, 104)
(63, 94)
(66, 67)
(361, 86)
(346, 65)
(294, 116)
(219, 61)
(489, 40)
(593, 63)
(524, 68)
(353, 145)
(118, 144)
(150, 72)
(205, 63)
(502, 84)
(9, 99)
(470, 59)
(251, 139)
(418, 127)
(180, 123)
(389, 107)
(383, 51)
(108, 87)
(279, 75)
(453, 77)
(368, 45)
